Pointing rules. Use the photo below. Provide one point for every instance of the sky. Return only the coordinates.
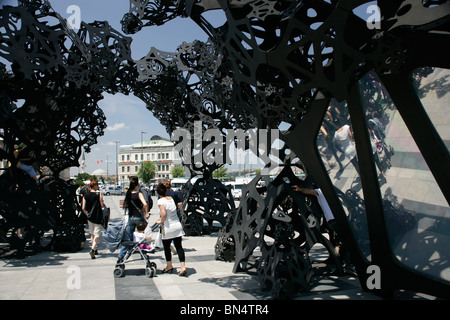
(126, 116)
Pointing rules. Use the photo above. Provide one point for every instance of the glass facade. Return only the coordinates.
(415, 211)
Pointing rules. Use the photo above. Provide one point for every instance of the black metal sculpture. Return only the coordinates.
(290, 58)
(49, 106)
(179, 90)
(272, 63)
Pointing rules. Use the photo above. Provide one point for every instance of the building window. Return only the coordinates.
(167, 156)
(128, 169)
(123, 169)
(135, 157)
(123, 157)
(128, 157)
(136, 168)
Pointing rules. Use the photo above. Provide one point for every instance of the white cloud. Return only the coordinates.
(116, 126)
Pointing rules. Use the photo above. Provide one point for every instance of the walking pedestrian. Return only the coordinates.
(172, 230)
(344, 137)
(92, 205)
(137, 212)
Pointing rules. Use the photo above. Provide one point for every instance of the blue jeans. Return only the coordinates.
(128, 236)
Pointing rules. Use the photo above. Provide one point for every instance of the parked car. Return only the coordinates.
(236, 189)
(113, 190)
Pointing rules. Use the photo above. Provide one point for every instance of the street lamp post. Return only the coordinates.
(142, 154)
(117, 163)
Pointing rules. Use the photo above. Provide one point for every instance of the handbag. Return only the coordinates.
(89, 215)
(139, 210)
(106, 212)
(158, 241)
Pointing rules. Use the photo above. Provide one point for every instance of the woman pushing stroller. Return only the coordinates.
(137, 212)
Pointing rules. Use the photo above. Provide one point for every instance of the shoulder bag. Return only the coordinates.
(139, 210)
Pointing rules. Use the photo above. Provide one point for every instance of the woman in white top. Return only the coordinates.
(171, 230)
(345, 138)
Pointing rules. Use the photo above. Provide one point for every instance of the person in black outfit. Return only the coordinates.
(137, 212)
(91, 206)
(174, 194)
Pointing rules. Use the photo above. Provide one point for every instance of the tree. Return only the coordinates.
(81, 177)
(149, 171)
(177, 172)
(220, 172)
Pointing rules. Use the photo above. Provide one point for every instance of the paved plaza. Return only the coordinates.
(74, 276)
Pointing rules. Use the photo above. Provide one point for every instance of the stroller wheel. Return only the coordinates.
(118, 272)
(153, 265)
(150, 272)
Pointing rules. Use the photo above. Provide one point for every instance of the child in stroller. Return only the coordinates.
(142, 237)
(114, 238)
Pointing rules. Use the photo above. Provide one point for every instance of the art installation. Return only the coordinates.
(49, 115)
(350, 98)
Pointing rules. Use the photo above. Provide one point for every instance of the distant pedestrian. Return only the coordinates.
(172, 230)
(91, 206)
(344, 137)
(174, 194)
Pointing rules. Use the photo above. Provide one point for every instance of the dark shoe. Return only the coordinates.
(96, 252)
(92, 254)
(183, 273)
(168, 270)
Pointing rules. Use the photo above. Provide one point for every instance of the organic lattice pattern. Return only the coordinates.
(49, 95)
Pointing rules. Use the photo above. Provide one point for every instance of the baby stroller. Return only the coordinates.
(114, 238)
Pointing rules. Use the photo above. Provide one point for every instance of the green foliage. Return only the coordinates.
(81, 177)
(149, 171)
(177, 172)
(220, 173)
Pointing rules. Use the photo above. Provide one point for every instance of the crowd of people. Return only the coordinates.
(137, 204)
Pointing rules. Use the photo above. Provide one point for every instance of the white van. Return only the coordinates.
(178, 183)
(236, 189)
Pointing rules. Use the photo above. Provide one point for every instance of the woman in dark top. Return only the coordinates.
(137, 211)
(93, 201)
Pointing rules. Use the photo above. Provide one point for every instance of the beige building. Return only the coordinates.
(158, 150)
